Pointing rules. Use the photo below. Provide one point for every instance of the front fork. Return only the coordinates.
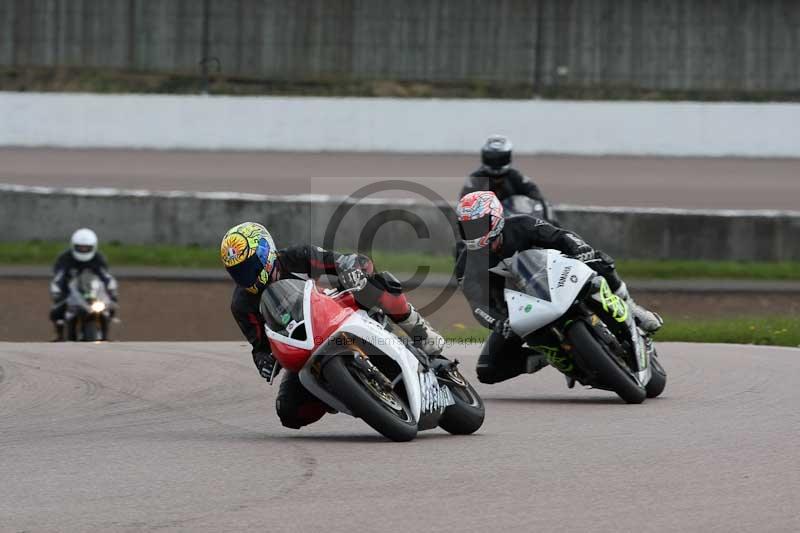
(618, 324)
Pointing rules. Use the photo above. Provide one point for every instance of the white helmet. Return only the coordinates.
(83, 244)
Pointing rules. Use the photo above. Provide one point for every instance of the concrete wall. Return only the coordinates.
(398, 125)
(201, 218)
(680, 44)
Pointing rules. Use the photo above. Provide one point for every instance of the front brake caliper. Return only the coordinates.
(371, 371)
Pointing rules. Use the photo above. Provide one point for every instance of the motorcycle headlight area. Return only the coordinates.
(98, 307)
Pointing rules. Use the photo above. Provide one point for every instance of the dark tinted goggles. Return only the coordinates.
(83, 248)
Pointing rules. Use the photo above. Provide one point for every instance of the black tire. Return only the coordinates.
(349, 385)
(89, 329)
(658, 380)
(604, 365)
(466, 415)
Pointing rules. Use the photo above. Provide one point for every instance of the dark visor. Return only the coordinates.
(245, 274)
(83, 248)
(475, 229)
(497, 159)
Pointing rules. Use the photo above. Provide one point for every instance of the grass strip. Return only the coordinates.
(45, 253)
(684, 269)
(778, 330)
(39, 252)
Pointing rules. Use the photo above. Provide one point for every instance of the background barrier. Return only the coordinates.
(398, 125)
(141, 217)
(545, 44)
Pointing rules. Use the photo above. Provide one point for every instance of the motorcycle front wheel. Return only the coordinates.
(72, 327)
(90, 329)
(605, 367)
(384, 411)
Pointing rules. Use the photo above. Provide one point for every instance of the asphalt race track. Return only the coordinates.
(182, 436)
(705, 183)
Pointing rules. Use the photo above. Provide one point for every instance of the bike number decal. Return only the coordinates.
(434, 395)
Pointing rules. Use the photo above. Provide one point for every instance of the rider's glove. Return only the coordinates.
(578, 248)
(584, 252)
(267, 365)
(351, 269)
(503, 328)
(352, 278)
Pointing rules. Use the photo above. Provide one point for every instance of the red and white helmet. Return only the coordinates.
(480, 218)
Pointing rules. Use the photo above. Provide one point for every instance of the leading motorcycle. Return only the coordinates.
(352, 361)
(566, 311)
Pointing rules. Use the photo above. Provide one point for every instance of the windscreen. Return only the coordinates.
(523, 205)
(282, 307)
(529, 270)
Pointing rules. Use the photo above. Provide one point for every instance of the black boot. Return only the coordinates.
(648, 320)
(421, 333)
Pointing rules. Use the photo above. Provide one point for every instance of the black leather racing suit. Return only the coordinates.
(502, 358)
(295, 405)
(505, 185)
(68, 268)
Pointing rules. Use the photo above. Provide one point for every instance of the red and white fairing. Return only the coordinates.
(326, 316)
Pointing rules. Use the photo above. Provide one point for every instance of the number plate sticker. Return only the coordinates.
(434, 395)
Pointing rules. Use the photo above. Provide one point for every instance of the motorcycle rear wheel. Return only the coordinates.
(658, 379)
(604, 365)
(384, 411)
(467, 414)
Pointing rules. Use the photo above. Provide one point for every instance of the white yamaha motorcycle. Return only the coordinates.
(566, 311)
(351, 361)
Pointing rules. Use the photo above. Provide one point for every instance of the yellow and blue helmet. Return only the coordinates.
(248, 253)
